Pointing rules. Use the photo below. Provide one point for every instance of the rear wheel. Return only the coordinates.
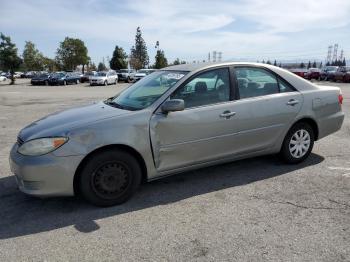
(298, 143)
(110, 178)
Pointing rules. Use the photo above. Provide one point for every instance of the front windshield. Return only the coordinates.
(146, 91)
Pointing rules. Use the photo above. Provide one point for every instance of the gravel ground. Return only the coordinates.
(252, 210)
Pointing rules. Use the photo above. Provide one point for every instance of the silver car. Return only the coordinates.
(179, 118)
(104, 78)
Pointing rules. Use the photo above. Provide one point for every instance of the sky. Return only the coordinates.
(248, 30)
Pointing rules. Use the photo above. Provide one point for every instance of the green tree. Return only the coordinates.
(101, 67)
(320, 66)
(344, 62)
(314, 65)
(309, 65)
(268, 62)
(139, 56)
(118, 60)
(161, 60)
(92, 67)
(71, 53)
(177, 61)
(9, 60)
(32, 58)
(275, 63)
(302, 65)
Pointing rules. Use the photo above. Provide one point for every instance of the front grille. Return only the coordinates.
(19, 141)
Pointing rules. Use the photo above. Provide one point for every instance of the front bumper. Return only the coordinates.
(46, 175)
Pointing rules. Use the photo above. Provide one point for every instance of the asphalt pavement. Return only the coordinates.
(251, 210)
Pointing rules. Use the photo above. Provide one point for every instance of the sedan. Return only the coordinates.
(342, 74)
(42, 79)
(64, 78)
(176, 119)
(104, 78)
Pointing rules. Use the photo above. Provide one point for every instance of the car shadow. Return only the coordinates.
(24, 215)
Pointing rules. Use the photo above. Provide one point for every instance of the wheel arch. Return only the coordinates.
(122, 147)
(311, 122)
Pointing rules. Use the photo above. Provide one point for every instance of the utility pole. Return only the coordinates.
(329, 54)
(335, 50)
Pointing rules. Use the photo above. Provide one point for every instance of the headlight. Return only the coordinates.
(41, 146)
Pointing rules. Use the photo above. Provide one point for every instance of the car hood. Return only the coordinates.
(61, 123)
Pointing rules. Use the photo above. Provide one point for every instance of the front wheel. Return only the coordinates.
(77, 82)
(298, 143)
(110, 178)
(106, 83)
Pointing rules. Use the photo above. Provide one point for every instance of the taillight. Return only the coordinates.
(340, 98)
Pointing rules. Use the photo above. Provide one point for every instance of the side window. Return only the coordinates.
(284, 87)
(210, 87)
(253, 82)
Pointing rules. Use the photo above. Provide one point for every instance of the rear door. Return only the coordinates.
(267, 105)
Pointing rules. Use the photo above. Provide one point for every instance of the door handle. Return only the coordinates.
(227, 114)
(292, 102)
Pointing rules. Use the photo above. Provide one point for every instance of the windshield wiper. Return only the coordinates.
(114, 104)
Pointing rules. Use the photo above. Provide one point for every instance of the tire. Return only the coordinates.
(77, 82)
(64, 82)
(129, 80)
(99, 173)
(46, 83)
(105, 83)
(293, 150)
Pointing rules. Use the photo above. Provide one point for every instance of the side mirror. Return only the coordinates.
(173, 105)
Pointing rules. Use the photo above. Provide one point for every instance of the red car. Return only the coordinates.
(313, 73)
(342, 74)
(299, 71)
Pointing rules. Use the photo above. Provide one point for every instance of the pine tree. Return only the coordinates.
(302, 65)
(344, 62)
(275, 63)
(139, 56)
(177, 61)
(118, 60)
(314, 65)
(309, 65)
(161, 60)
(321, 65)
(101, 67)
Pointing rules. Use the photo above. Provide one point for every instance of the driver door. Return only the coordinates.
(201, 132)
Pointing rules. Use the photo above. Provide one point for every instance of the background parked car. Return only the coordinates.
(127, 75)
(326, 70)
(142, 73)
(64, 78)
(299, 71)
(42, 79)
(87, 75)
(331, 73)
(3, 78)
(342, 74)
(104, 78)
(313, 73)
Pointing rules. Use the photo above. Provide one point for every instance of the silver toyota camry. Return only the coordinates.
(173, 120)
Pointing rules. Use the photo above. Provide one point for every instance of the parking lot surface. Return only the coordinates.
(252, 210)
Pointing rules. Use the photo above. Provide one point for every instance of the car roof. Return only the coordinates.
(197, 66)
